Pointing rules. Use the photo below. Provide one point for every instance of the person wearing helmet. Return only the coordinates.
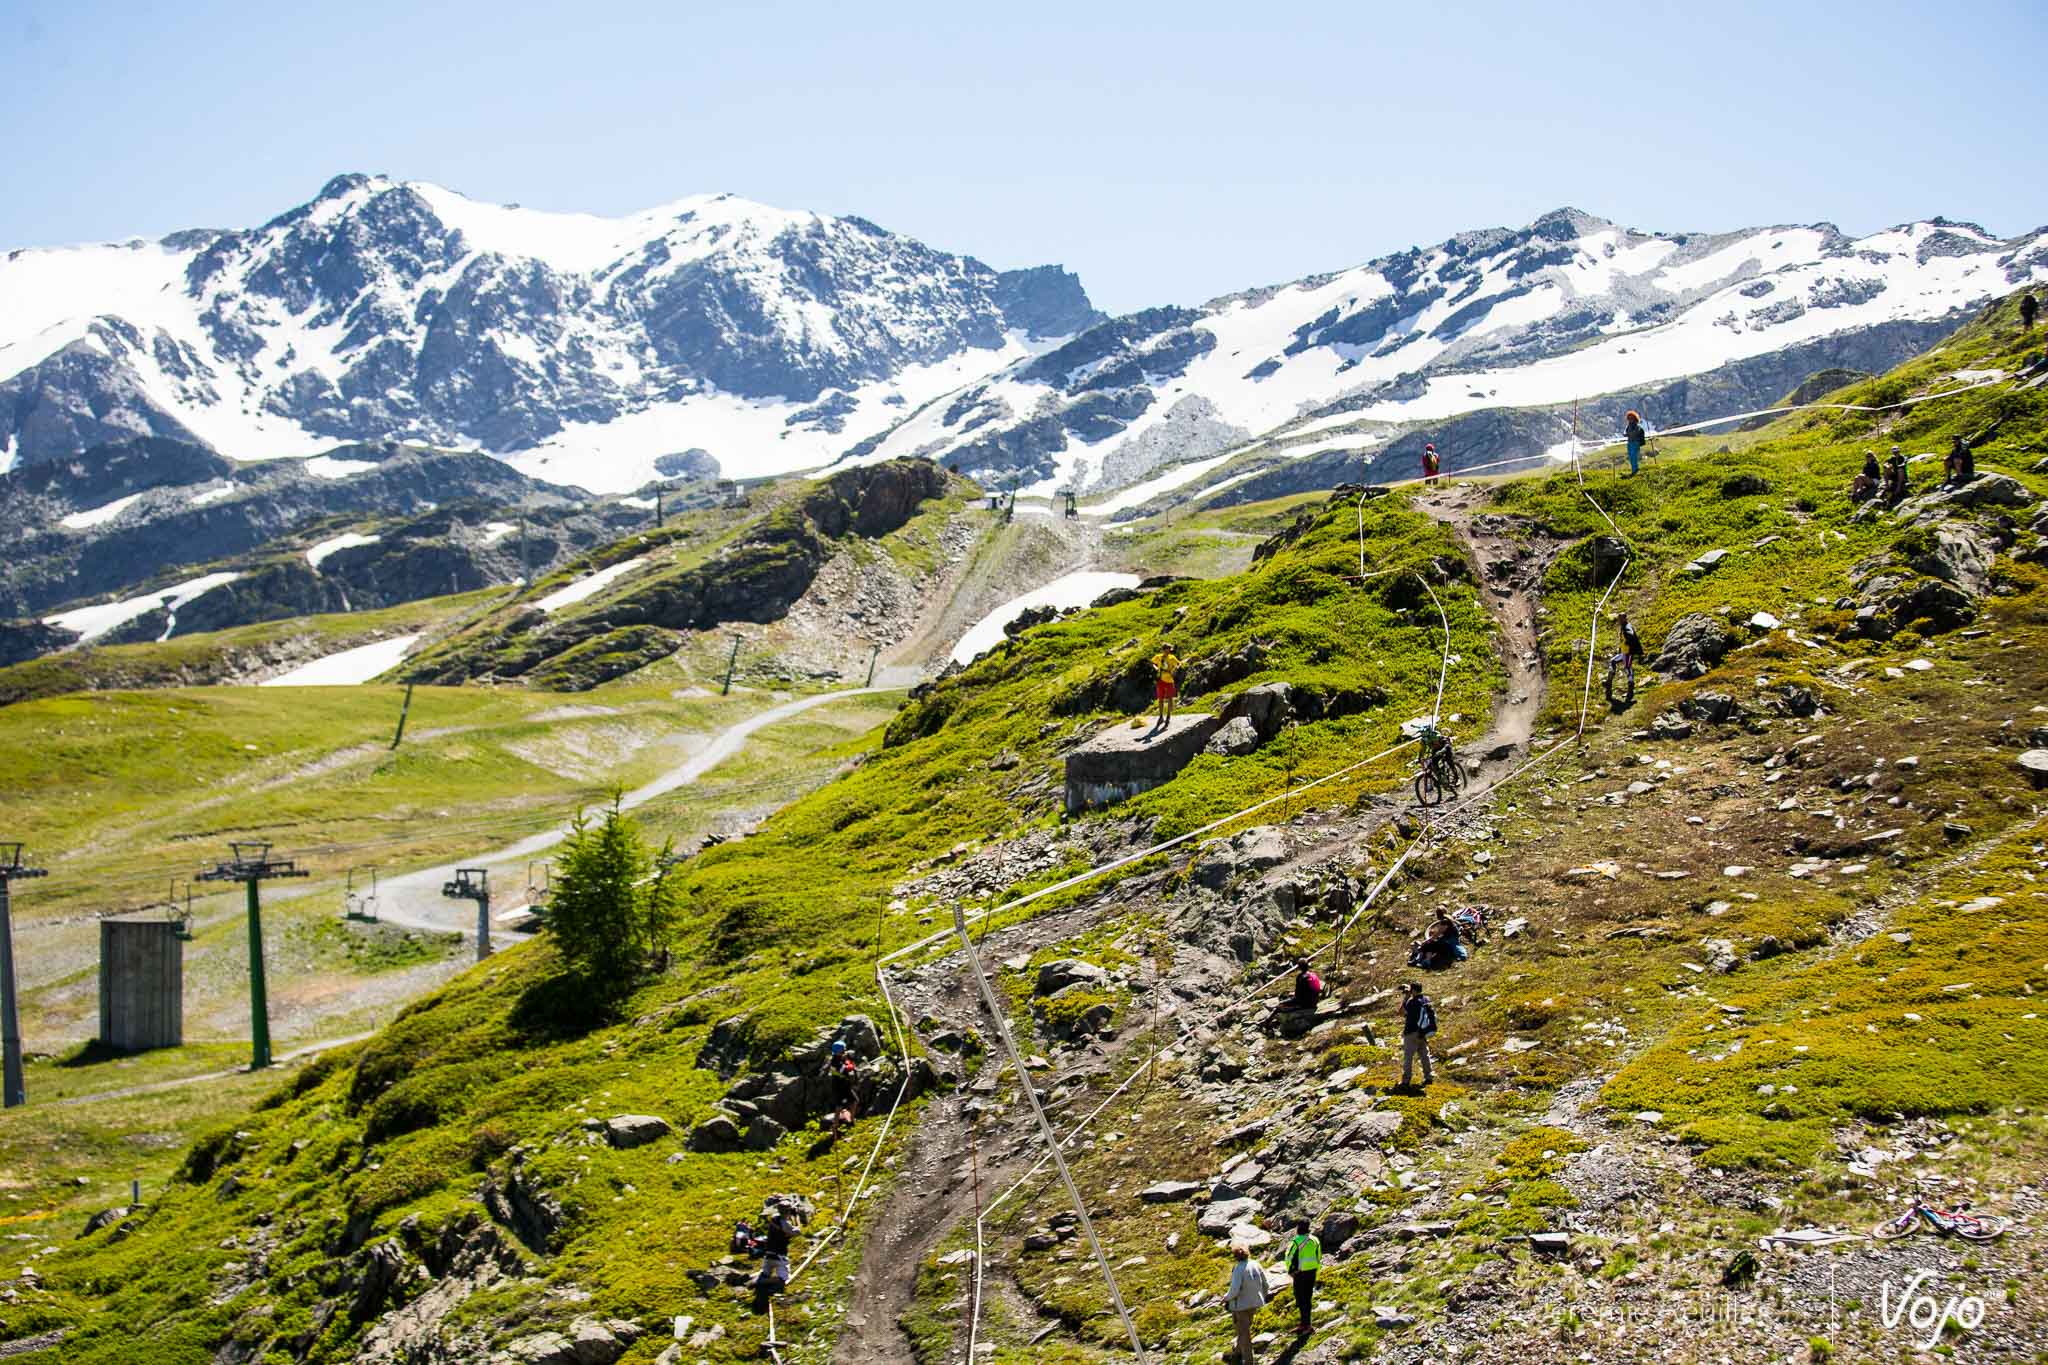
(1430, 462)
(842, 1073)
(1632, 432)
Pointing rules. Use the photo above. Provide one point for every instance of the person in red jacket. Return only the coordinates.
(1430, 463)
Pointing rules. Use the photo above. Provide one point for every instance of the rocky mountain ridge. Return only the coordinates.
(1570, 307)
(775, 340)
(384, 309)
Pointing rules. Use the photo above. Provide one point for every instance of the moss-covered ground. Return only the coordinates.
(780, 928)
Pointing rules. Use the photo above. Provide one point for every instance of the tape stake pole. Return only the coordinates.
(1051, 1139)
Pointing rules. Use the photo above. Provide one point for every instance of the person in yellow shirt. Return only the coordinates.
(1166, 667)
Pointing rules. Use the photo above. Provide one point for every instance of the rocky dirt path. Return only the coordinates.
(964, 1152)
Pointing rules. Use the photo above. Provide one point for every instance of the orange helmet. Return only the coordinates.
(1634, 416)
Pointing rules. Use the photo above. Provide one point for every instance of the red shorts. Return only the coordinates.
(1165, 689)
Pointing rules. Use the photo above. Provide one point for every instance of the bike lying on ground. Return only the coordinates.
(1442, 775)
(1621, 668)
(1919, 1214)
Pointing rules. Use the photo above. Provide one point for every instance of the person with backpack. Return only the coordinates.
(1248, 1294)
(1418, 1022)
(1631, 643)
(1308, 988)
(1304, 1258)
(1962, 461)
(1632, 432)
(841, 1075)
(1896, 484)
(774, 1244)
(1166, 669)
(1864, 486)
(2028, 308)
(1438, 948)
(1431, 462)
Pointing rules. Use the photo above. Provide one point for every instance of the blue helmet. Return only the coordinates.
(838, 1046)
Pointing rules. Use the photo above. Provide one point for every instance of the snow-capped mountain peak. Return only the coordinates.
(599, 350)
(1571, 306)
(400, 308)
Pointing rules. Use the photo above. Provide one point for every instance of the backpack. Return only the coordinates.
(1315, 983)
(743, 1240)
(1426, 1017)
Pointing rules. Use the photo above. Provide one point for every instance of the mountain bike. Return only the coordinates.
(1970, 1227)
(1442, 775)
(1622, 666)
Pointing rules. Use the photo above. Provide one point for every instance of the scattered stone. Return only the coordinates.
(1694, 644)
(1221, 1216)
(1601, 869)
(1237, 738)
(1054, 977)
(635, 1130)
(1170, 1191)
(1713, 708)
(2034, 763)
(1763, 620)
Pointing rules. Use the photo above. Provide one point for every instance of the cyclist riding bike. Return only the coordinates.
(1441, 772)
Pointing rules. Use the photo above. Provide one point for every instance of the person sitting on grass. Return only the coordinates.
(1438, 948)
(1308, 988)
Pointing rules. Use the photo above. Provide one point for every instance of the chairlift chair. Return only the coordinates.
(358, 904)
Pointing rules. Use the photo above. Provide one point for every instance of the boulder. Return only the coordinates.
(1255, 850)
(1237, 738)
(1798, 700)
(2034, 763)
(1055, 977)
(635, 1130)
(1694, 644)
(1872, 622)
(1119, 762)
(1268, 707)
(1744, 485)
(587, 1342)
(1712, 708)
(1959, 555)
(1706, 562)
(1609, 554)
(719, 1133)
(1671, 725)
(1220, 1217)
(106, 1218)
(1170, 1191)
(763, 1133)
(1986, 490)
(1932, 606)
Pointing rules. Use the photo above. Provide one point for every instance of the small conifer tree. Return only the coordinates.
(610, 909)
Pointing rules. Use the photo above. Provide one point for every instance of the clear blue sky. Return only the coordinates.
(1167, 152)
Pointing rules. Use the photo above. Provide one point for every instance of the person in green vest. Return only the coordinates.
(1304, 1258)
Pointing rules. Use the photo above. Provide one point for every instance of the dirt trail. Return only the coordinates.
(1509, 574)
(934, 1188)
(415, 898)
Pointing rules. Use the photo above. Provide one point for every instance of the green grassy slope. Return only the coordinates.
(780, 926)
(211, 656)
